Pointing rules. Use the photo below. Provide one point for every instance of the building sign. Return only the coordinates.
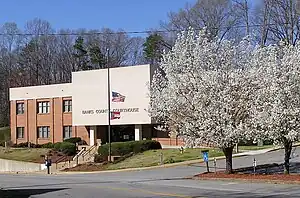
(100, 111)
(114, 114)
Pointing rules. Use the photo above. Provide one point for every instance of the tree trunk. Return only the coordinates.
(228, 154)
(287, 154)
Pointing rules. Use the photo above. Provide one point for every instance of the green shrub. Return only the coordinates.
(65, 147)
(99, 158)
(73, 140)
(25, 145)
(4, 134)
(48, 145)
(124, 148)
(21, 145)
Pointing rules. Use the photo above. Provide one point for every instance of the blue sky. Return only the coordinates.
(130, 15)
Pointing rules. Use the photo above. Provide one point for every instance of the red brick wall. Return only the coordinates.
(13, 121)
(170, 141)
(58, 120)
(55, 119)
(32, 121)
(82, 132)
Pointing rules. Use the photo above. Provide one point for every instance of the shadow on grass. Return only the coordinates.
(26, 193)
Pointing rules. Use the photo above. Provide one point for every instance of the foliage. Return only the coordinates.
(47, 145)
(153, 47)
(4, 135)
(26, 145)
(278, 104)
(73, 140)
(204, 91)
(124, 148)
(65, 147)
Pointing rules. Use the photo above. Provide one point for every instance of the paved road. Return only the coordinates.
(165, 182)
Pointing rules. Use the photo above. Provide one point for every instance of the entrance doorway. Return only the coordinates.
(122, 133)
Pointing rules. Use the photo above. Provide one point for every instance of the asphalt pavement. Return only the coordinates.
(162, 182)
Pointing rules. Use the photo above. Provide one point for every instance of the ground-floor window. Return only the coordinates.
(43, 132)
(20, 132)
(67, 132)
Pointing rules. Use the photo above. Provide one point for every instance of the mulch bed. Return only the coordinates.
(282, 178)
(87, 167)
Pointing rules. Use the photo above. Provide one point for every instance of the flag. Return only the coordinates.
(115, 115)
(117, 97)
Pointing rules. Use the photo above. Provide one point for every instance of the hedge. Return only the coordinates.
(65, 147)
(75, 140)
(48, 145)
(124, 148)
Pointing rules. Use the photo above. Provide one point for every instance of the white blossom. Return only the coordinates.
(278, 102)
(204, 89)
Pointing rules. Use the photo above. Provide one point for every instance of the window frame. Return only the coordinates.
(22, 132)
(67, 106)
(20, 108)
(43, 107)
(43, 132)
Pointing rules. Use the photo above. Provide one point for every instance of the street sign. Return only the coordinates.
(205, 156)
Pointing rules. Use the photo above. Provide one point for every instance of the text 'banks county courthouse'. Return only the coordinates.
(52, 113)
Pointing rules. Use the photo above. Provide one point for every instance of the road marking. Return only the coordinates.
(150, 192)
(231, 183)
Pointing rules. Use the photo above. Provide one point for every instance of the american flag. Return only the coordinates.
(117, 97)
(115, 115)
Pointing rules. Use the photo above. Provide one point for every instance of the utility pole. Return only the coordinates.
(109, 114)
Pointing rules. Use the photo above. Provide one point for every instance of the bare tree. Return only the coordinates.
(215, 15)
(279, 21)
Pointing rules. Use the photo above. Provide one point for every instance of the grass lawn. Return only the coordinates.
(152, 157)
(23, 154)
(251, 148)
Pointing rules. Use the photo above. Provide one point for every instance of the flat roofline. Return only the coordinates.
(41, 86)
(113, 68)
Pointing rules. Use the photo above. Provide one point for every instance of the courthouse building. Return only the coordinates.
(52, 113)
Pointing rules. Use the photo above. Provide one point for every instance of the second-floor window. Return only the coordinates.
(43, 132)
(44, 107)
(67, 106)
(20, 108)
(20, 132)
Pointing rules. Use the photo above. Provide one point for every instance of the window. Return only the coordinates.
(20, 108)
(43, 107)
(20, 132)
(43, 132)
(67, 132)
(67, 106)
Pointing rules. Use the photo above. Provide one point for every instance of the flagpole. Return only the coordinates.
(109, 114)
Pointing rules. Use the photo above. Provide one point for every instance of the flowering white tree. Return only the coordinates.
(204, 89)
(278, 100)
